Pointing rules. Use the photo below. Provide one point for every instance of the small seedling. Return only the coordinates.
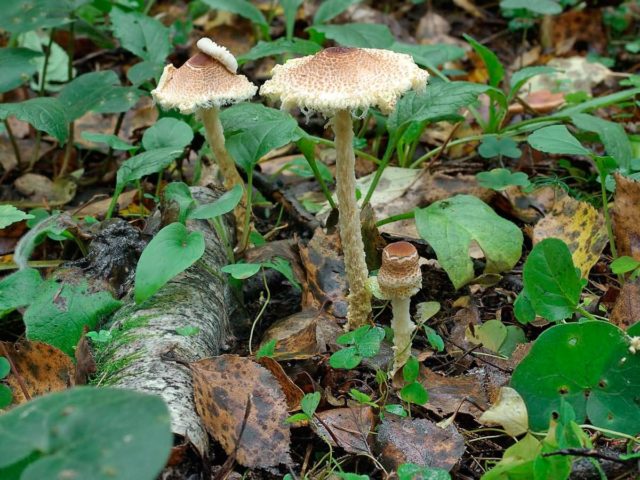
(363, 342)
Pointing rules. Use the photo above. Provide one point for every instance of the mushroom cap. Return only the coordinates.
(341, 78)
(206, 80)
(400, 275)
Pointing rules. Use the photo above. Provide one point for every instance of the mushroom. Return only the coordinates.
(206, 82)
(337, 82)
(400, 278)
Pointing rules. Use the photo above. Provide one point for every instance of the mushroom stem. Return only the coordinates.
(215, 136)
(359, 299)
(403, 329)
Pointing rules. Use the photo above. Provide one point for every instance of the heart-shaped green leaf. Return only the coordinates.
(170, 252)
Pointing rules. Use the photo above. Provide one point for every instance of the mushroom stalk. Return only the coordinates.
(359, 299)
(215, 137)
(403, 328)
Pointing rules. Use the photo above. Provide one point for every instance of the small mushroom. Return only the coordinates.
(206, 82)
(337, 82)
(400, 278)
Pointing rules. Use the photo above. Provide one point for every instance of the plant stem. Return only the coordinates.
(245, 228)
(261, 312)
(359, 299)
(393, 140)
(607, 216)
(70, 54)
(358, 153)
(395, 218)
(14, 143)
(43, 80)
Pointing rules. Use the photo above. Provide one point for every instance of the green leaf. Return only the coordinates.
(267, 349)
(309, 403)
(330, 9)
(142, 35)
(515, 336)
(252, 130)
(146, 163)
(613, 136)
(558, 140)
(368, 344)
(85, 93)
(298, 417)
(360, 35)
(43, 113)
(523, 309)
(290, 8)
(590, 366)
(280, 46)
(225, 204)
(10, 215)
(17, 67)
(113, 141)
(243, 8)
(542, 7)
(283, 266)
(359, 396)
(491, 61)
(396, 409)
(435, 340)
(19, 289)
(143, 71)
(241, 271)
(59, 313)
(19, 16)
(6, 396)
(5, 367)
(429, 56)
(517, 461)
(450, 225)
(167, 133)
(410, 370)
(118, 99)
(500, 178)
(441, 101)
(414, 393)
(345, 358)
(551, 281)
(493, 146)
(180, 194)
(491, 334)
(624, 264)
(84, 432)
(188, 331)
(425, 311)
(519, 78)
(177, 247)
(410, 471)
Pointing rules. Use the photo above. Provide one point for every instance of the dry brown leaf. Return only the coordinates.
(626, 216)
(626, 310)
(528, 207)
(295, 335)
(43, 369)
(225, 389)
(541, 101)
(580, 226)
(100, 207)
(38, 188)
(350, 428)
(418, 441)
(464, 394)
(292, 392)
(85, 361)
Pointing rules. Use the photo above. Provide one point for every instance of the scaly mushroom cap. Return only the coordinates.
(206, 80)
(400, 275)
(342, 78)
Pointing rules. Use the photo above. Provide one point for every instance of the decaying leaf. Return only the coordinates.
(295, 335)
(228, 387)
(509, 411)
(528, 207)
(85, 361)
(447, 395)
(626, 310)
(573, 74)
(43, 369)
(292, 392)
(626, 226)
(580, 226)
(39, 188)
(350, 428)
(418, 441)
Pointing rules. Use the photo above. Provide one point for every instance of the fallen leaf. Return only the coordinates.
(100, 207)
(580, 226)
(449, 394)
(43, 369)
(225, 389)
(528, 207)
(418, 441)
(295, 335)
(626, 224)
(85, 361)
(350, 428)
(292, 392)
(38, 188)
(573, 74)
(509, 411)
(541, 101)
(626, 310)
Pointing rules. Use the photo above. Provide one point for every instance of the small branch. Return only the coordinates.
(590, 453)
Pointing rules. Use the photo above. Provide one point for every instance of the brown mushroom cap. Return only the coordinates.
(206, 80)
(400, 275)
(342, 78)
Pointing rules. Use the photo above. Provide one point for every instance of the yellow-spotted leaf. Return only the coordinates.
(580, 226)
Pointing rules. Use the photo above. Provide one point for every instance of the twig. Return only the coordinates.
(14, 144)
(444, 146)
(590, 453)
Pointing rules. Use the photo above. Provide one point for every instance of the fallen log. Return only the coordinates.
(142, 334)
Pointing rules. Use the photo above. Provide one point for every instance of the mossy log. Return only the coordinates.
(143, 335)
